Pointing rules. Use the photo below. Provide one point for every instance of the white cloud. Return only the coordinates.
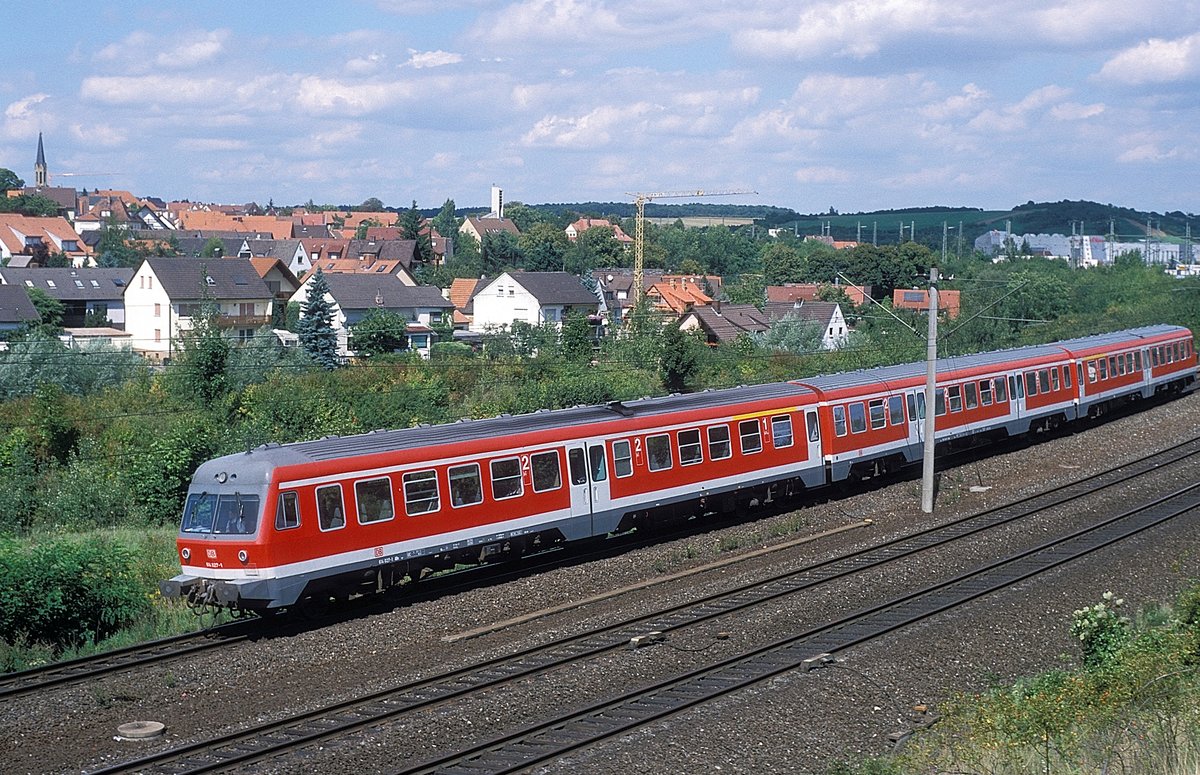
(1073, 111)
(205, 47)
(211, 144)
(324, 96)
(423, 59)
(593, 129)
(99, 135)
(560, 21)
(964, 103)
(365, 65)
(1156, 61)
(1146, 152)
(140, 51)
(1016, 116)
(824, 174)
(852, 29)
(22, 118)
(154, 89)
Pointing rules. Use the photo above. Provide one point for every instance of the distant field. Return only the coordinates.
(697, 221)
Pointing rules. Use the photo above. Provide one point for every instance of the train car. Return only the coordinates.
(273, 526)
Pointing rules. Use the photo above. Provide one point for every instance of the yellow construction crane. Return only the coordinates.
(639, 237)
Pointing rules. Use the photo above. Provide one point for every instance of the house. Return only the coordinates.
(724, 323)
(62, 196)
(583, 224)
(616, 285)
(353, 296)
(460, 293)
(824, 315)
(793, 292)
(87, 338)
(531, 297)
(166, 294)
(40, 237)
(15, 308)
(83, 291)
(948, 301)
(279, 279)
(365, 256)
(481, 227)
(675, 297)
(211, 220)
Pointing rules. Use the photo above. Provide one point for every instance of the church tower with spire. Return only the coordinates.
(41, 176)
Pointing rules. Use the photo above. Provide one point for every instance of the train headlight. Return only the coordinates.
(243, 556)
(186, 553)
(222, 477)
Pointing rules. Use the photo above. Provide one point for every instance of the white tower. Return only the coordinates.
(497, 202)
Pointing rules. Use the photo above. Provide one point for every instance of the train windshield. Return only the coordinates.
(221, 514)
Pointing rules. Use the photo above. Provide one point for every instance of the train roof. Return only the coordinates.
(509, 425)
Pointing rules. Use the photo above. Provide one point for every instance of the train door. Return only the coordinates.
(916, 416)
(587, 468)
(1016, 395)
(813, 428)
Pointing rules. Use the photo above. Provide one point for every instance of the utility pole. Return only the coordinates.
(930, 395)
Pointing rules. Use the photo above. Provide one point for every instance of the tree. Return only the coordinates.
(380, 332)
(679, 364)
(317, 335)
(50, 313)
(410, 228)
(782, 263)
(29, 204)
(577, 338)
(214, 247)
(371, 205)
(445, 222)
(500, 251)
(595, 247)
(9, 180)
(203, 353)
(543, 246)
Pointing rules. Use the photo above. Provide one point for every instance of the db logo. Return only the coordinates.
(212, 554)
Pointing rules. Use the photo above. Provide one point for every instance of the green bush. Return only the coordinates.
(1101, 630)
(64, 592)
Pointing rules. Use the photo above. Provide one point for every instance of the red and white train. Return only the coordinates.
(270, 527)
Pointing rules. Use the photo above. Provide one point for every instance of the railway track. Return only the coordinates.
(274, 739)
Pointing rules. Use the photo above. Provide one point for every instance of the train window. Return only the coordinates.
(912, 408)
(506, 478)
(421, 492)
(1170, 353)
(1154, 355)
(373, 500)
(466, 489)
(719, 447)
(236, 514)
(1067, 376)
(858, 417)
(1031, 383)
(1128, 363)
(578, 465)
(877, 413)
(954, 393)
(1137, 361)
(939, 402)
(658, 452)
(971, 395)
(921, 406)
(622, 459)
(750, 437)
(1091, 371)
(1001, 390)
(199, 513)
(1120, 369)
(690, 452)
(596, 458)
(895, 410)
(985, 392)
(287, 514)
(1054, 383)
(330, 514)
(839, 421)
(814, 428)
(781, 431)
(1102, 368)
(1043, 376)
(1112, 366)
(547, 475)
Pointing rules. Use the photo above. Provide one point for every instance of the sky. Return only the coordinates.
(857, 105)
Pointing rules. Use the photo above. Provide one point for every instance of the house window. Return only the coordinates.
(51, 283)
(158, 334)
(157, 310)
(79, 283)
